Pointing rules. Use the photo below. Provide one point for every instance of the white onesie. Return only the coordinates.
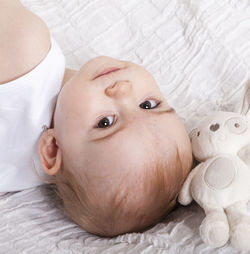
(26, 105)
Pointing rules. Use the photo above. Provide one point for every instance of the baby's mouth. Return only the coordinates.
(106, 71)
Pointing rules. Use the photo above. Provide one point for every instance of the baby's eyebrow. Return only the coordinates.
(169, 110)
(110, 134)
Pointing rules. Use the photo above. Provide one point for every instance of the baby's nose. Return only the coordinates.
(119, 89)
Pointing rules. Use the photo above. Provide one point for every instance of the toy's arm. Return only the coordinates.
(244, 154)
(185, 196)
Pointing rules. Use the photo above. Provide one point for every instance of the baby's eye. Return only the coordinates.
(106, 122)
(150, 104)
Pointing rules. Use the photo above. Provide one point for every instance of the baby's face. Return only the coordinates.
(111, 116)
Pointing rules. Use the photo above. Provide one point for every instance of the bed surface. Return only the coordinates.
(199, 53)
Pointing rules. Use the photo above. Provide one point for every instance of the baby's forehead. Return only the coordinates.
(134, 145)
(136, 174)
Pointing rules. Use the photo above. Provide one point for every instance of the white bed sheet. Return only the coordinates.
(199, 53)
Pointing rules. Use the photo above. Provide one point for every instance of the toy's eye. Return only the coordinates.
(236, 125)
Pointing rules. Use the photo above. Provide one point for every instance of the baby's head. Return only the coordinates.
(119, 153)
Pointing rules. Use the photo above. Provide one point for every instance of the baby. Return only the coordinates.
(115, 149)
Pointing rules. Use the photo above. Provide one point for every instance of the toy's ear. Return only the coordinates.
(245, 105)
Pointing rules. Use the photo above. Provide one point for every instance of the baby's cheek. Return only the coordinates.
(179, 136)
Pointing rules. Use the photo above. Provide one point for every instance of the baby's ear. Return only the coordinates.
(49, 153)
(245, 104)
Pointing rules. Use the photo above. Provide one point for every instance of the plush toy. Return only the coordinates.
(220, 184)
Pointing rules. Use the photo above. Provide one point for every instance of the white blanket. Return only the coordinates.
(199, 53)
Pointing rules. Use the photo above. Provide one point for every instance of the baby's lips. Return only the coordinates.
(106, 71)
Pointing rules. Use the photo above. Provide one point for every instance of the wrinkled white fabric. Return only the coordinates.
(199, 53)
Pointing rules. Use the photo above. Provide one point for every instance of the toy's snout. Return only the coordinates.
(214, 127)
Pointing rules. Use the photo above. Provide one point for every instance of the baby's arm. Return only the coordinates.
(24, 43)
